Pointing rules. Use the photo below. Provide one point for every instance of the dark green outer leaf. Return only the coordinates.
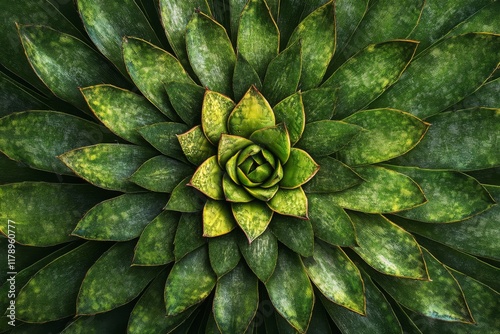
(187, 100)
(452, 196)
(244, 76)
(319, 103)
(296, 234)
(290, 111)
(483, 20)
(60, 205)
(108, 165)
(459, 140)
(444, 75)
(101, 292)
(189, 235)
(57, 284)
(185, 198)
(36, 138)
(291, 291)
(487, 95)
(224, 253)
(163, 137)
(121, 218)
(299, 169)
(261, 255)
(108, 322)
(332, 176)
(289, 16)
(150, 68)
(16, 97)
(108, 22)
(210, 53)
(64, 63)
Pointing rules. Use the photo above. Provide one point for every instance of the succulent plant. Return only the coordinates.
(250, 166)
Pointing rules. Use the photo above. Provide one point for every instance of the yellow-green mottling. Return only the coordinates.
(208, 179)
(214, 114)
(332, 176)
(297, 234)
(229, 146)
(290, 112)
(195, 146)
(261, 254)
(233, 192)
(290, 202)
(252, 217)
(299, 169)
(217, 219)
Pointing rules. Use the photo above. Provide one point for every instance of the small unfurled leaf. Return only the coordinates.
(323, 138)
(156, 243)
(150, 68)
(214, 114)
(101, 292)
(36, 138)
(432, 82)
(291, 291)
(252, 217)
(263, 194)
(196, 146)
(163, 137)
(185, 198)
(290, 111)
(187, 100)
(299, 169)
(258, 35)
(208, 179)
(452, 196)
(244, 76)
(189, 234)
(229, 146)
(459, 140)
(275, 139)
(224, 253)
(332, 176)
(384, 191)
(283, 74)
(441, 297)
(234, 192)
(296, 234)
(388, 133)
(61, 280)
(108, 166)
(210, 53)
(236, 300)
(121, 110)
(330, 222)
(317, 35)
(338, 279)
(217, 219)
(387, 247)
(252, 113)
(290, 202)
(260, 255)
(190, 281)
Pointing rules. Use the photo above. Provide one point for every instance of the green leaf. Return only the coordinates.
(235, 193)
(121, 111)
(291, 291)
(326, 137)
(332, 176)
(319, 103)
(317, 33)
(195, 146)
(252, 217)
(108, 166)
(224, 253)
(290, 111)
(163, 137)
(175, 16)
(378, 318)
(65, 63)
(210, 53)
(275, 139)
(121, 218)
(483, 20)
(299, 169)
(214, 114)
(101, 292)
(478, 235)
(359, 82)
(217, 219)
(161, 174)
(442, 148)
(252, 113)
(229, 146)
(208, 179)
(236, 300)
(388, 133)
(434, 77)
(452, 196)
(290, 202)
(384, 191)
(116, 319)
(260, 255)
(439, 298)
(486, 96)
(244, 76)
(258, 35)
(330, 222)
(61, 206)
(150, 68)
(36, 138)
(336, 276)
(296, 234)
(156, 243)
(185, 198)
(190, 281)
(387, 247)
(187, 100)
(189, 234)
(56, 284)
(283, 74)
(16, 97)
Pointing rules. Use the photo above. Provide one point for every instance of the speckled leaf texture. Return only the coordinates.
(250, 166)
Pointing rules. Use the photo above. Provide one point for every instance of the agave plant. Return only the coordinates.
(250, 166)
